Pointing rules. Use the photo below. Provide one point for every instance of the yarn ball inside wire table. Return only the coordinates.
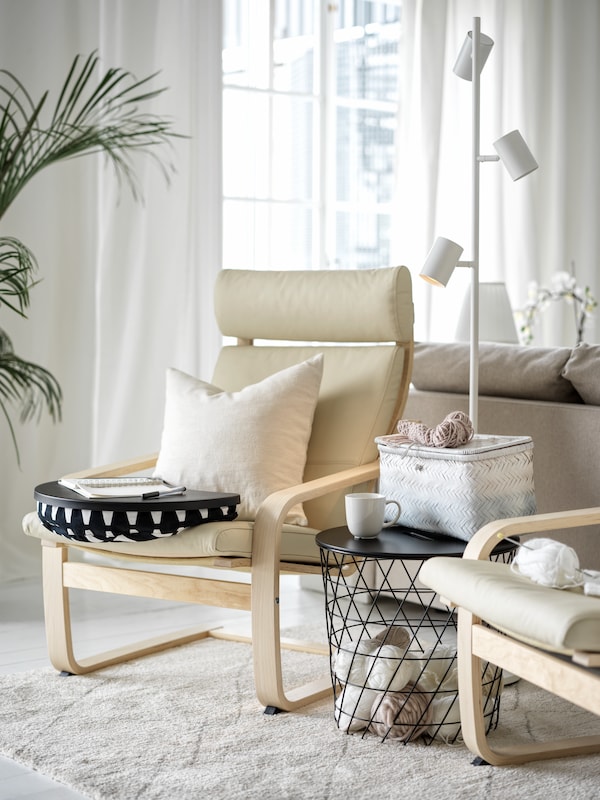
(392, 643)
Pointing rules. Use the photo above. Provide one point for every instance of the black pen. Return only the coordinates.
(420, 536)
(170, 492)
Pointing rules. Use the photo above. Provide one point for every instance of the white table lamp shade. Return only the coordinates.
(496, 320)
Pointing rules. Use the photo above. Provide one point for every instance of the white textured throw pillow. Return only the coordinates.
(252, 442)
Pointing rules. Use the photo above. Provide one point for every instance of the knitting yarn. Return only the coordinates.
(350, 664)
(352, 710)
(445, 717)
(400, 715)
(549, 563)
(367, 668)
(438, 669)
(592, 583)
(393, 634)
(382, 668)
(390, 669)
(455, 430)
(438, 681)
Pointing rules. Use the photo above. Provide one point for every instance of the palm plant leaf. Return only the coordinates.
(27, 386)
(89, 117)
(17, 265)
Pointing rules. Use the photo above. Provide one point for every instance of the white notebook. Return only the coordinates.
(121, 487)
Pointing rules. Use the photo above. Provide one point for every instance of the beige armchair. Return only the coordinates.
(550, 637)
(362, 321)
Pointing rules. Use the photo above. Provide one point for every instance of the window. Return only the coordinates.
(310, 101)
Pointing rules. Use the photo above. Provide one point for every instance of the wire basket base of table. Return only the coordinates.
(396, 684)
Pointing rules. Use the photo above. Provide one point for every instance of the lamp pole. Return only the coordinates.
(474, 348)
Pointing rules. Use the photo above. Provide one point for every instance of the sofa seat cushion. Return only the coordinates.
(202, 541)
(553, 619)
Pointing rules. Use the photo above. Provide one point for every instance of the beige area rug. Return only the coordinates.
(186, 724)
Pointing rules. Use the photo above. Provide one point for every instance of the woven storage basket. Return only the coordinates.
(456, 491)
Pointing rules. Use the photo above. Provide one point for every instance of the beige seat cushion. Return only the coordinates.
(203, 541)
(554, 619)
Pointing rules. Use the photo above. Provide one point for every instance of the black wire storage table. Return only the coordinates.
(392, 643)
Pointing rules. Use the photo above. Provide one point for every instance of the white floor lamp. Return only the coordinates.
(512, 150)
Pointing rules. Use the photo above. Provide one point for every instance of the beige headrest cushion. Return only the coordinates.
(372, 305)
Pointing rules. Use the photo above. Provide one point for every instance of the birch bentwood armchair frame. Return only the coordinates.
(549, 637)
(362, 323)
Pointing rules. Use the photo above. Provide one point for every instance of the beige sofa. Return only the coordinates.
(550, 394)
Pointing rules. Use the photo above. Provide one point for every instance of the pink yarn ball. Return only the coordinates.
(401, 715)
(453, 431)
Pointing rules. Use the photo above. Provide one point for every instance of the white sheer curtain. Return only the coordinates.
(542, 77)
(126, 288)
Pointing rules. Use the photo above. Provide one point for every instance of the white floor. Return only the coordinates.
(102, 622)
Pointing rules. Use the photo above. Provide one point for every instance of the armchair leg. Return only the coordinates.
(58, 624)
(266, 639)
(470, 692)
(476, 642)
(267, 645)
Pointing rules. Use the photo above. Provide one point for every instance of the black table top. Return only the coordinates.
(55, 494)
(397, 542)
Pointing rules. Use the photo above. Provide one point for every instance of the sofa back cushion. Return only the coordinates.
(583, 371)
(505, 370)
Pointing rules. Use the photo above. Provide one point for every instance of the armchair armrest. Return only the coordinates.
(276, 506)
(266, 570)
(484, 541)
(283, 500)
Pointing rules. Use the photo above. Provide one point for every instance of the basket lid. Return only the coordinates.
(480, 443)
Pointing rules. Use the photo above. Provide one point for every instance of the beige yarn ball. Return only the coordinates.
(401, 715)
(455, 430)
(394, 634)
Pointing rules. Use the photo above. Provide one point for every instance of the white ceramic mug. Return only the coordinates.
(365, 514)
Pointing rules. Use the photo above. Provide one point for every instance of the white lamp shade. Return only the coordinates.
(464, 62)
(496, 320)
(515, 155)
(440, 262)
